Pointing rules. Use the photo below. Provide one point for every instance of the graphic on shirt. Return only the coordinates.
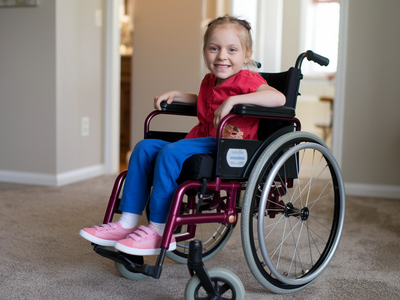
(232, 132)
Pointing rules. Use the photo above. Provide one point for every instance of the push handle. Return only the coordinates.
(319, 59)
(312, 56)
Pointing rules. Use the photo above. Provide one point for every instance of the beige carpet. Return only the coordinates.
(43, 257)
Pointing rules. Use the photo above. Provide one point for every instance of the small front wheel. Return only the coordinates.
(226, 284)
(128, 274)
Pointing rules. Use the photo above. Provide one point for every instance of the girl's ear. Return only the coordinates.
(248, 55)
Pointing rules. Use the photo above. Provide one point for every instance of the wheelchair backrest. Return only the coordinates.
(286, 82)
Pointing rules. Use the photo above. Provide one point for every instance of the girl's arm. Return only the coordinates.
(265, 96)
(174, 96)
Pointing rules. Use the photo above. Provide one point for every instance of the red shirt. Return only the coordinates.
(211, 97)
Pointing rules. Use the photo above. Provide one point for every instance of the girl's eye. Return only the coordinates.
(232, 50)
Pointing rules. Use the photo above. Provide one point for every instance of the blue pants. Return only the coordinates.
(158, 163)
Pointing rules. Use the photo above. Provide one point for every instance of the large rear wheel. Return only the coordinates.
(293, 212)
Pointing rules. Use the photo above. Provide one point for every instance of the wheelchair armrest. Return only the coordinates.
(180, 108)
(280, 112)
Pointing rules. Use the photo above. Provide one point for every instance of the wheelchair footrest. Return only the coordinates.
(132, 263)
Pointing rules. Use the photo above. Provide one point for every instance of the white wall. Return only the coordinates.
(79, 84)
(50, 77)
(290, 33)
(371, 142)
(28, 89)
(167, 56)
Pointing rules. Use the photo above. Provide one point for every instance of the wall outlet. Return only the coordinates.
(85, 126)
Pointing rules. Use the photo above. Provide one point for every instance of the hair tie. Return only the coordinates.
(244, 23)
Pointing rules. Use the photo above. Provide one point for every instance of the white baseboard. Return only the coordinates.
(371, 190)
(52, 179)
(28, 178)
(80, 174)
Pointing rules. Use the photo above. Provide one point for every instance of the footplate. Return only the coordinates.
(131, 262)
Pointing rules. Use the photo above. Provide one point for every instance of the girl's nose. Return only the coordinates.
(222, 55)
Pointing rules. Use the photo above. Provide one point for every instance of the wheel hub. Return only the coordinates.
(304, 213)
(291, 211)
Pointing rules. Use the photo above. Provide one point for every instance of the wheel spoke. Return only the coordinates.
(298, 168)
(309, 184)
(318, 235)
(310, 235)
(319, 198)
(311, 176)
(280, 251)
(277, 204)
(313, 172)
(295, 249)
(280, 245)
(309, 242)
(282, 217)
(222, 289)
(312, 216)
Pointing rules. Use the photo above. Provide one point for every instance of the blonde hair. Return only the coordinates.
(243, 30)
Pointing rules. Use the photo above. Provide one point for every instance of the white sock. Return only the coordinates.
(159, 227)
(128, 220)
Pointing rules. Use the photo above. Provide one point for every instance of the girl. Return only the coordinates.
(227, 54)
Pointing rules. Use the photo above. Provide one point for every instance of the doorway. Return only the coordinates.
(126, 52)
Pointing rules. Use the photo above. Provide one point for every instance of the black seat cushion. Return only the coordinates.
(197, 167)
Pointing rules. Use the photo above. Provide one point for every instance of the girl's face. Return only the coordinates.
(224, 55)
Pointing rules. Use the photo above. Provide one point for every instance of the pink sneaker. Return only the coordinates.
(144, 241)
(106, 234)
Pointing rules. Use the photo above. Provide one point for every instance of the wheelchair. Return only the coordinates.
(287, 187)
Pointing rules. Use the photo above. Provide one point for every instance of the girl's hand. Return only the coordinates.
(169, 97)
(222, 111)
(174, 96)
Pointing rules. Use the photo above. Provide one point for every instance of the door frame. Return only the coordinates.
(112, 79)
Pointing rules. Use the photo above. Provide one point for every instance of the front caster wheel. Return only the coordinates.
(226, 284)
(129, 274)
